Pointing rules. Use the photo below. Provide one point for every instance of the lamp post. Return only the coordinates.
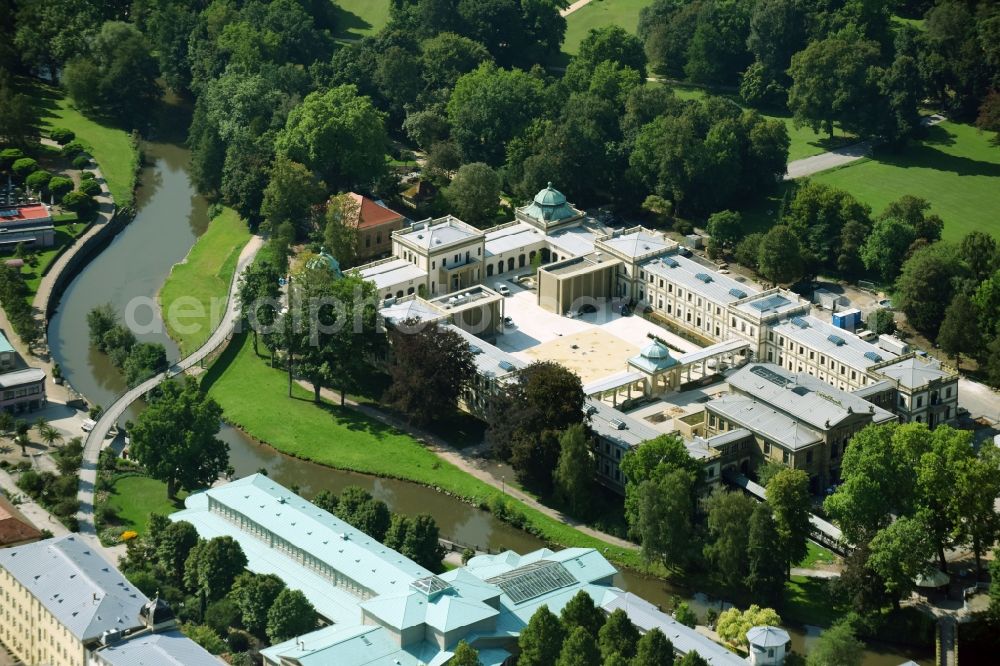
(503, 484)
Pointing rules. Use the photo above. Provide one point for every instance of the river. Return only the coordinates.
(171, 216)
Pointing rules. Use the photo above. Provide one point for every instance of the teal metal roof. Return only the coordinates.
(655, 357)
(5, 345)
(325, 260)
(549, 205)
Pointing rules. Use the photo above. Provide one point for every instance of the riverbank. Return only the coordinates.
(347, 439)
(193, 297)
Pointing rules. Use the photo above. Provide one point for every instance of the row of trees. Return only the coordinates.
(14, 300)
(910, 494)
(137, 360)
(833, 61)
(748, 547)
(417, 538)
(206, 583)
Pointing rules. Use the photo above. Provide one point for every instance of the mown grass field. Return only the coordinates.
(135, 497)
(66, 234)
(346, 439)
(956, 168)
(360, 18)
(598, 14)
(110, 146)
(202, 281)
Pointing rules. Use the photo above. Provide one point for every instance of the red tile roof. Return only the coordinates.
(24, 213)
(372, 214)
(14, 527)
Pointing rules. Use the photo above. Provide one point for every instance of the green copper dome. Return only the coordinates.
(656, 351)
(654, 358)
(550, 196)
(550, 204)
(324, 260)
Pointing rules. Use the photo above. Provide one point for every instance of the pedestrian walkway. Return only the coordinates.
(97, 439)
(573, 7)
(32, 510)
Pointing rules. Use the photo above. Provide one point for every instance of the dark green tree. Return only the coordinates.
(212, 566)
(725, 228)
(465, 655)
(359, 509)
(979, 250)
(766, 575)
(290, 615)
(290, 194)
(789, 499)
(430, 367)
(958, 333)
(574, 475)
(541, 640)
(581, 612)
(254, 594)
(174, 438)
(779, 256)
(174, 544)
(474, 193)
(618, 636)
(579, 648)
(900, 553)
(729, 533)
(653, 649)
(926, 285)
(837, 646)
(258, 297)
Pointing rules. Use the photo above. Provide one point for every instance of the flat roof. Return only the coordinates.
(574, 241)
(913, 372)
(410, 307)
(84, 592)
(691, 275)
(491, 361)
(444, 231)
(462, 299)
(841, 345)
(617, 427)
(582, 264)
(636, 243)
(512, 237)
(391, 273)
(763, 419)
(771, 302)
(724, 347)
(803, 396)
(21, 377)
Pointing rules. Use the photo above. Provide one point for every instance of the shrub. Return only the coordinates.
(59, 186)
(112, 536)
(10, 155)
(221, 615)
(72, 149)
(87, 175)
(31, 482)
(65, 508)
(107, 515)
(205, 637)
(78, 202)
(61, 135)
(24, 166)
(81, 161)
(214, 210)
(91, 187)
(38, 180)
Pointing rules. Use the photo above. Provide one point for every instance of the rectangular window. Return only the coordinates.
(920, 401)
(785, 457)
(809, 457)
(767, 447)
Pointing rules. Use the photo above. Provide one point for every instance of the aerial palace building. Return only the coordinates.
(381, 607)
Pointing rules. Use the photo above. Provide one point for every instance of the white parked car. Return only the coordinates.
(88, 425)
(502, 289)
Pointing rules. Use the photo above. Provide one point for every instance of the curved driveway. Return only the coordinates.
(96, 439)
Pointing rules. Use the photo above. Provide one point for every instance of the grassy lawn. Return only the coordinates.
(816, 555)
(808, 601)
(346, 439)
(360, 18)
(200, 284)
(135, 497)
(598, 14)
(956, 168)
(110, 146)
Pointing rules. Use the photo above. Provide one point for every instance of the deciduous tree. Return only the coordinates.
(766, 573)
(430, 366)
(729, 534)
(541, 640)
(291, 192)
(900, 553)
(653, 649)
(212, 566)
(788, 496)
(959, 333)
(174, 438)
(837, 646)
(574, 475)
(254, 595)
(290, 615)
(779, 256)
(733, 624)
(581, 612)
(474, 193)
(926, 285)
(579, 649)
(618, 636)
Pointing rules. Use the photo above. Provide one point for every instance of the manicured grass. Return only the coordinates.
(808, 601)
(254, 397)
(955, 168)
(360, 18)
(598, 14)
(816, 555)
(110, 146)
(193, 298)
(135, 497)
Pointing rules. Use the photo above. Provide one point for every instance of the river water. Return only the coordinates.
(129, 273)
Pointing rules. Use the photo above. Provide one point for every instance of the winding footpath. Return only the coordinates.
(98, 437)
